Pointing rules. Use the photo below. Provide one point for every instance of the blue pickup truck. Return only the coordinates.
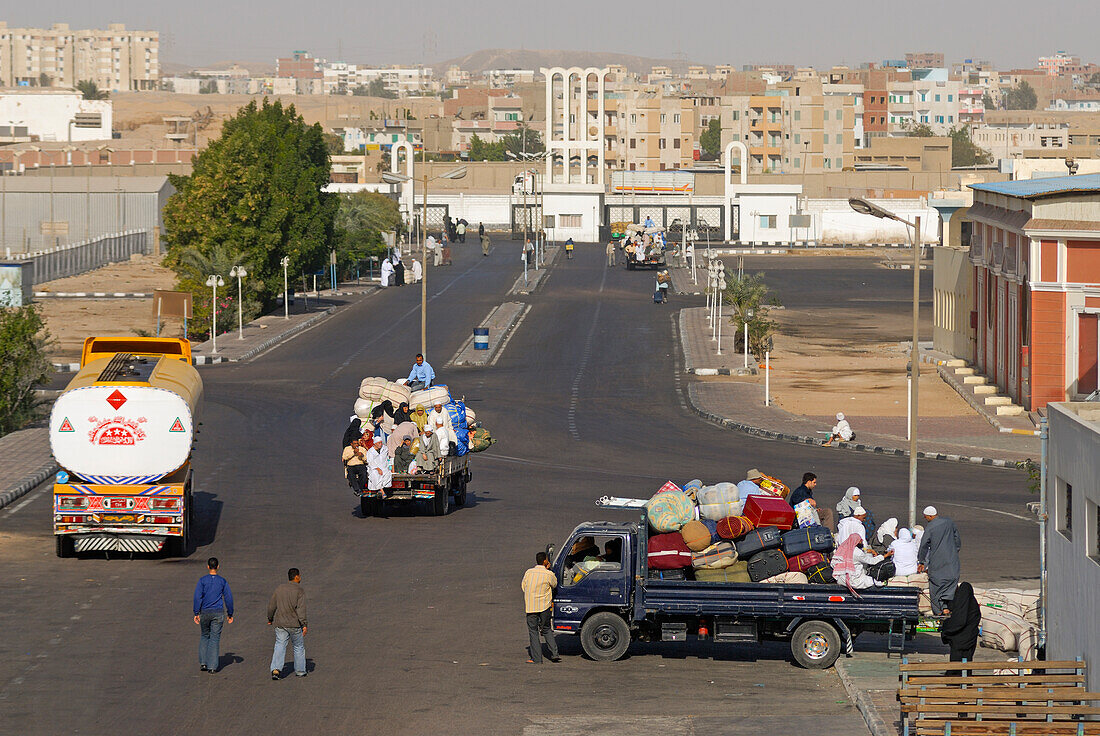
(617, 601)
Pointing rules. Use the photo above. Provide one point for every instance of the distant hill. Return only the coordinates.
(480, 61)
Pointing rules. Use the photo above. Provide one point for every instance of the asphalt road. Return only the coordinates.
(416, 622)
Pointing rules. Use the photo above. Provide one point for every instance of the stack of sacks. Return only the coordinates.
(456, 410)
(427, 397)
(795, 578)
(1022, 603)
(1008, 632)
(917, 580)
(373, 390)
(719, 501)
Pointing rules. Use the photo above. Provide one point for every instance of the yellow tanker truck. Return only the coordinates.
(122, 433)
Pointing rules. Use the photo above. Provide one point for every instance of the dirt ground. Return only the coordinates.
(70, 320)
(818, 370)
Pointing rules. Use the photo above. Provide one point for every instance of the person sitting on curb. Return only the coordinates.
(842, 431)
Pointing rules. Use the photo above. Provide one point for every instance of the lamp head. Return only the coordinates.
(391, 177)
(458, 173)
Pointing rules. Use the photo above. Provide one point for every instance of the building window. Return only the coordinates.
(797, 163)
(662, 117)
(937, 98)
(767, 222)
(797, 114)
(676, 117)
(571, 221)
(839, 163)
(797, 138)
(1063, 508)
(632, 141)
(951, 98)
(735, 114)
(661, 143)
(1092, 516)
(675, 142)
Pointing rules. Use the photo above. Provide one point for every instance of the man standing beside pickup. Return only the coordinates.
(538, 597)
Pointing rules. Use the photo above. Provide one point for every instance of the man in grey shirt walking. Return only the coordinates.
(938, 555)
(287, 613)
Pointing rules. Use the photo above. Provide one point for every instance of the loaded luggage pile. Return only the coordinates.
(710, 533)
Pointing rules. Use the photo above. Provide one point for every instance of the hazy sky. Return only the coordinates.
(1008, 32)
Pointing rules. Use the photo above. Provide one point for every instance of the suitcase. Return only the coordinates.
(758, 540)
(734, 527)
(735, 573)
(769, 511)
(696, 535)
(804, 561)
(668, 552)
(882, 571)
(809, 539)
(763, 565)
(821, 573)
(715, 556)
(678, 574)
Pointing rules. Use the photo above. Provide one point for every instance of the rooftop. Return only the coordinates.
(1036, 188)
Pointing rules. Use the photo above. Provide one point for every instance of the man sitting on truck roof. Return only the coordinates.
(421, 375)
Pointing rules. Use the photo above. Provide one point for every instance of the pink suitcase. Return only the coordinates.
(769, 511)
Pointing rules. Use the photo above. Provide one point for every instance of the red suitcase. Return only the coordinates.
(804, 561)
(769, 511)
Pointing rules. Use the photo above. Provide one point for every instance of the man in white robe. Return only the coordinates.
(379, 471)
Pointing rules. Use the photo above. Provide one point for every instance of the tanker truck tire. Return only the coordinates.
(64, 546)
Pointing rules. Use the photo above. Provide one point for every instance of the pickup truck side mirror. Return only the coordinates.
(550, 551)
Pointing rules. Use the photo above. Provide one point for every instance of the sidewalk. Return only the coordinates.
(27, 462)
(502, 322)
(265, 332)
(701, 351)
(535, 276)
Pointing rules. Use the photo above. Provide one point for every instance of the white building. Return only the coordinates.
(499, 78)
(342, 78)
(115, 59)
(56, 114)
(931, 99)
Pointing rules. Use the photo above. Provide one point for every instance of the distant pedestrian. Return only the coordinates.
(460, 231)
(528, 252)
(939, 557)
(481, 229)
(611, 253)
(417, 272)
(538, 598)
(484, 243)
(213, 609)
(287, 613)
(569, 248)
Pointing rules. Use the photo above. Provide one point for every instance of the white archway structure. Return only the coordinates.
(575, 138)
(728, 165)
(406, 199)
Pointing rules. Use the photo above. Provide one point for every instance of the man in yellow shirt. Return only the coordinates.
(538, 598)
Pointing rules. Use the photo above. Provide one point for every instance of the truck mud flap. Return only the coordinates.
(118, 543)
(841, 628)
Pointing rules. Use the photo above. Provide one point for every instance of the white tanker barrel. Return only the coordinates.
(135, 429)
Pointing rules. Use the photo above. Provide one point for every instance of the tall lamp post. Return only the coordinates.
(238, 272)
(865, 207)
(285, 262)
(214, 281)
(391, 177)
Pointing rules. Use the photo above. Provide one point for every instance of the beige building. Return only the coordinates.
(648, 130)
(914, 154)
(115, 59)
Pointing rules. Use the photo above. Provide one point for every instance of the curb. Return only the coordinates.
(858, 447)
(502, 341)
(722, 371)
(28, 484)
(875, 723)
(93, 295)
(283, 336)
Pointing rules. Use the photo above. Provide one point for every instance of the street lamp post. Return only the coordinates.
(719, 292)
(865, 207)
(238, 272)
(285, 262)
(214, 281)
(748, 318)
(395, 178)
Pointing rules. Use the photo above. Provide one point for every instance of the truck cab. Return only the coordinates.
(605, 595)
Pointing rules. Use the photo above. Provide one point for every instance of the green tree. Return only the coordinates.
(1021, 97)
(919, 130)
(710, 141)
(360, 222)
(987, 101)
(751, 292)
(90, 90)
(256, 190)
(377, 88)
(481, 150)
(193, 268)
(22, 353)
(523, 140)
(964, 152)
(334, 143)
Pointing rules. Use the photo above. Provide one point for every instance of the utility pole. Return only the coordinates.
(424, 278)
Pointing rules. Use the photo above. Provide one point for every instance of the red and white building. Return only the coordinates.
(1035, 247)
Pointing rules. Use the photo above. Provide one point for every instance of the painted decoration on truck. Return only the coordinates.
(116, 431)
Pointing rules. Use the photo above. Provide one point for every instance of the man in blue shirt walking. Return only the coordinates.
(421, 375)
(211, 614)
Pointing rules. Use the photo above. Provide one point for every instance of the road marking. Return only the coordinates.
(26, 501)
(992, 511)
(574, 393)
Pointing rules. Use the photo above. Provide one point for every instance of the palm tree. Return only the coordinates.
(90, 90)
(195, 265)
(746, 292)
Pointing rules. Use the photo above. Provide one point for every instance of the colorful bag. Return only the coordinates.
(738, 572)
(669, 511)
(719, 501)
(715, 556)
(734, 527)
(806, 514)
(480, 440)
(805, 561)
(820, 574)
(696, 535)
(456, 410)
(669, 486)
(667, 552)
(774, 485)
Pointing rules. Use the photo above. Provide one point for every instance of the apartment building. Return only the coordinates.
(648, 130)
(924, 60)
(930, 98)
(507, 78)
(299, 65)
(341, 78)
(116, 59)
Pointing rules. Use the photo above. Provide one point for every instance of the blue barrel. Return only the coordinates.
(481, 338)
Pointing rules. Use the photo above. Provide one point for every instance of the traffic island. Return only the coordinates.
(535, 276)
(501, 324)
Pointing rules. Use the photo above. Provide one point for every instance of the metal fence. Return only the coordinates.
(77, 258)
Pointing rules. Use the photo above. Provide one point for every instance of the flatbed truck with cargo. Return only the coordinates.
(617, 602)
(439, 488)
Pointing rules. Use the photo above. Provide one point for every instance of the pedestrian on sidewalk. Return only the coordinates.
(287, 613)
(842, 431)
(611, 253)
(960, 630)
(528, 253)
(538, 598)
(417, 271)
(939, 557)
(213, 609)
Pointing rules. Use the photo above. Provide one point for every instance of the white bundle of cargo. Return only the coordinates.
(429, 397)
(374, 390)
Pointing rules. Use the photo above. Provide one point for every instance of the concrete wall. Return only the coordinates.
(1073, 562)
(836, 222)
(47, 114)
(952, 301)
(78, 258)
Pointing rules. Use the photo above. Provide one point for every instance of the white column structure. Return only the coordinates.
(574, 139)
(408, 204)
(727, 203)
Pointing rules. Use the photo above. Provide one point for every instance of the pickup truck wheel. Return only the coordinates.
(815, 645)
(366, 507)
(605, 637)
(64, 546)
(460, 494)
(441, 501)
(629, 266)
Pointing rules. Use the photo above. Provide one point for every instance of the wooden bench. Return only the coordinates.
(971, 699)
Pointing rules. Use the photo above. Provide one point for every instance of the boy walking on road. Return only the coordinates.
(287, 613)
(538, 597)
(213, 609)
